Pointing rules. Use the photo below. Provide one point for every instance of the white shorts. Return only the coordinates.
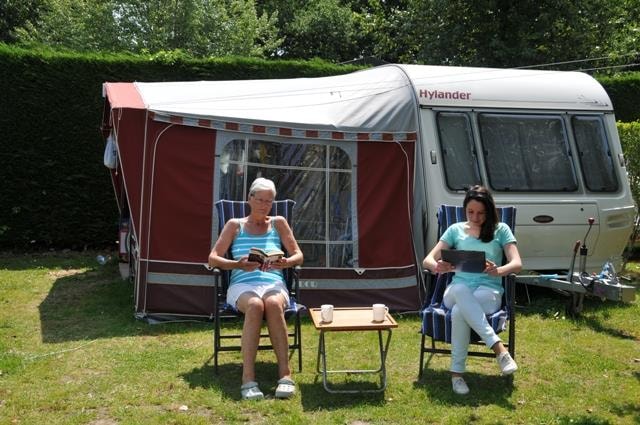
(237, 289)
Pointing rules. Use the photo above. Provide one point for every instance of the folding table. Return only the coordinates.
(354, 319)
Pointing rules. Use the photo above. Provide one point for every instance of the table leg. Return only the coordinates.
(381, 371)
(321, 354)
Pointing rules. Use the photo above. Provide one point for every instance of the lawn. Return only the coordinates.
(71, 352)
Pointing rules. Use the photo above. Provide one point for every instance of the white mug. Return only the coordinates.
(326, 313)
(379, 312)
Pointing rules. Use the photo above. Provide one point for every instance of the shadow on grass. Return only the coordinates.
(92, 303)
(484, 389)
(312, 394)
(227, 380)
(551, 304)
(315, 397)
(596, 325)
(625, 410)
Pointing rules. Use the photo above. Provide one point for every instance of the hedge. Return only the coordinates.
(630, 140)
(624, 91)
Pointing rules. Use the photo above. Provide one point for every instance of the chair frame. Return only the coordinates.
(225, 312)
(508, 303)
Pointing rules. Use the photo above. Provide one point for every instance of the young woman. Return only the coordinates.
(259, 292)
(471, 296)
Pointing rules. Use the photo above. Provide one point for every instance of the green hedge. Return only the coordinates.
(630, 140)
(624, 91)
(55, 191)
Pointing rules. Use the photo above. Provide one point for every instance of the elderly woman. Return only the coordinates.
(259, 292)
(472, 295)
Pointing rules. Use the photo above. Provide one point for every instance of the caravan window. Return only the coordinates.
(317, 176)
(458, 151)
(526, 153)
(595, 154)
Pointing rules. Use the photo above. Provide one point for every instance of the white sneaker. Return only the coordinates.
(506, 363)
(459, 386)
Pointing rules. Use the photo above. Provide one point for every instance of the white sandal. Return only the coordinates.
(286, 388)
(251, 391)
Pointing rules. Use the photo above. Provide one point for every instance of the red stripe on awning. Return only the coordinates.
(336, 135)
(232, 126)
(261, 129)
(285, 131)
(204, 123)
(363, 136)
(175, 119)
(311, 133)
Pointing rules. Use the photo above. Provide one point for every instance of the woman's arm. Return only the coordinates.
(217, 255)
(290, 244)
(513, 265)
(433, 262)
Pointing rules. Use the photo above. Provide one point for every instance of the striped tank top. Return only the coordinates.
(241, 245)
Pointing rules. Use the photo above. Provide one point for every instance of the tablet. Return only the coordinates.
(465, 261)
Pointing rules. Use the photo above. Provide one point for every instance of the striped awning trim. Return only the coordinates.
(374, 136)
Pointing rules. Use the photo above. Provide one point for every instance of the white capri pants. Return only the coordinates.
(468, 310)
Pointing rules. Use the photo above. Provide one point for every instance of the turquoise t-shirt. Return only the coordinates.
(456, 237)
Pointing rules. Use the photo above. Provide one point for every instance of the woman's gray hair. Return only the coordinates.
(260, 184)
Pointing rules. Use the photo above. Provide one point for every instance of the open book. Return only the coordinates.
(465, 261)
(261, 256)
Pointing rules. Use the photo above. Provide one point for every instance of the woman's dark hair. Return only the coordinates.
(482, 195)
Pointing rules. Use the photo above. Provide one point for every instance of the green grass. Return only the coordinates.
(71, 352)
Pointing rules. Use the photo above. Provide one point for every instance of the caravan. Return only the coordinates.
(545, 142)
(368, 157)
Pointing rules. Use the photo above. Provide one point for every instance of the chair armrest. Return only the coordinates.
(295, 277)
(217, 277)
(510, 287)
(429, 278)
(214, 270)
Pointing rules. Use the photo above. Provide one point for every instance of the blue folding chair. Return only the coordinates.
(237, 209)
(436, 317)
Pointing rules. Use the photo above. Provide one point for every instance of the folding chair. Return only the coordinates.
(236, 209)
(436, 318)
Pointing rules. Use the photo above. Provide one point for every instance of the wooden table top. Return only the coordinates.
(351, 319)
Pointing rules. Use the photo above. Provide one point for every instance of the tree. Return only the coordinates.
(505, 33)
(18, 14)
(197, 27)
(501, 33)
(383, 31)
(322, 28)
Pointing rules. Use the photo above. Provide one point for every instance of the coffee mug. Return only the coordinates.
(326, 313)
(379, 312)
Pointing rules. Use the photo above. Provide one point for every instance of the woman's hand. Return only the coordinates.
(246, 265)
(280, 263)
(491, 268)
(444, 267)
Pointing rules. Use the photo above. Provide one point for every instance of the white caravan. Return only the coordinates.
(543, 141)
